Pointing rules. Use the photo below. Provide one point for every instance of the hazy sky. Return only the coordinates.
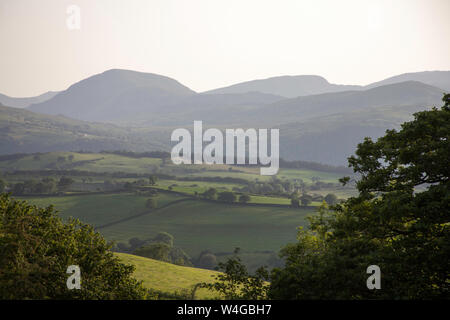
(206, 44)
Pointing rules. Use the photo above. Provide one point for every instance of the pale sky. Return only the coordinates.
(206, 44)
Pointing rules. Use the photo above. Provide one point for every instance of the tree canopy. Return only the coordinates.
(399, 221)
(37, 247)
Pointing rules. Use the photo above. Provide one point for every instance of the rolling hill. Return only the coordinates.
(23, 131)
(114, 95)
(438, 79)
(168, 278)
(323, 127)
(25, 102)
(286, 86)
(410, 93)
(304, 85)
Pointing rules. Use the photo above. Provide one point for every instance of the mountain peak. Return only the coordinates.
(111, 94)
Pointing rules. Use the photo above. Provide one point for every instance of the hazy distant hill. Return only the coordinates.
(215, 111)
(410, 93)
(322, 127)
(23, 131)
(114, 95)
(25, 102)
(211, 108)
(304, 85)
(332, 138)
(439, 79)
(286, 86)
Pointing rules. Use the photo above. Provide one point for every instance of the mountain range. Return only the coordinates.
(123, 109)
(25, 102)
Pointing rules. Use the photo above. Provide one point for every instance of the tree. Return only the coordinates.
(207, 260)
(331, 199)
(2, 185)
(164, 237)
(227, 196)
(37, 247)
(305, 199)
(244, 198)
(399, 221)
(152, 180)
(295, 202)
(64, 183)
(158, 251)
(210, 193)
(135, 243)
(235, 283)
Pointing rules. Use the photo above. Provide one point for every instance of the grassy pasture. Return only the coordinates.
(196, 225)
(167, 277)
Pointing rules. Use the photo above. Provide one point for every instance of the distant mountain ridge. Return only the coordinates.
(409, 93)
(438, 79)
(113, 94)
(286, 86)
(25, 102)
(124, 96)
(323, 127)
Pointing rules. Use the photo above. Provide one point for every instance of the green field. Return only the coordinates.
(93, 162)
(196, 225)
(260, 228)
(167, 277)
(99, 209)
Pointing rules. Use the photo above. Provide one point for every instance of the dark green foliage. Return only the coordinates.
(210, 193)
(400, 221)
(36, 248)
(164, 237)
(64, 183)
(158, 251)
(244, 198)
(295, 202)
(331, 199)
(305, 199)
(152, 180)
(207, 260)
(237, 284)
(45, 186)
(227, 196)
(159, 248)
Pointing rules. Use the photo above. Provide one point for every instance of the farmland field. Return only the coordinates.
(111, 192)
(196, 225)
(166, 277)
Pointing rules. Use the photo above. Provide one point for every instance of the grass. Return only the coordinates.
(196, 225)
(93, 162)
(168, 277)
(306, 175)
(99, 209)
